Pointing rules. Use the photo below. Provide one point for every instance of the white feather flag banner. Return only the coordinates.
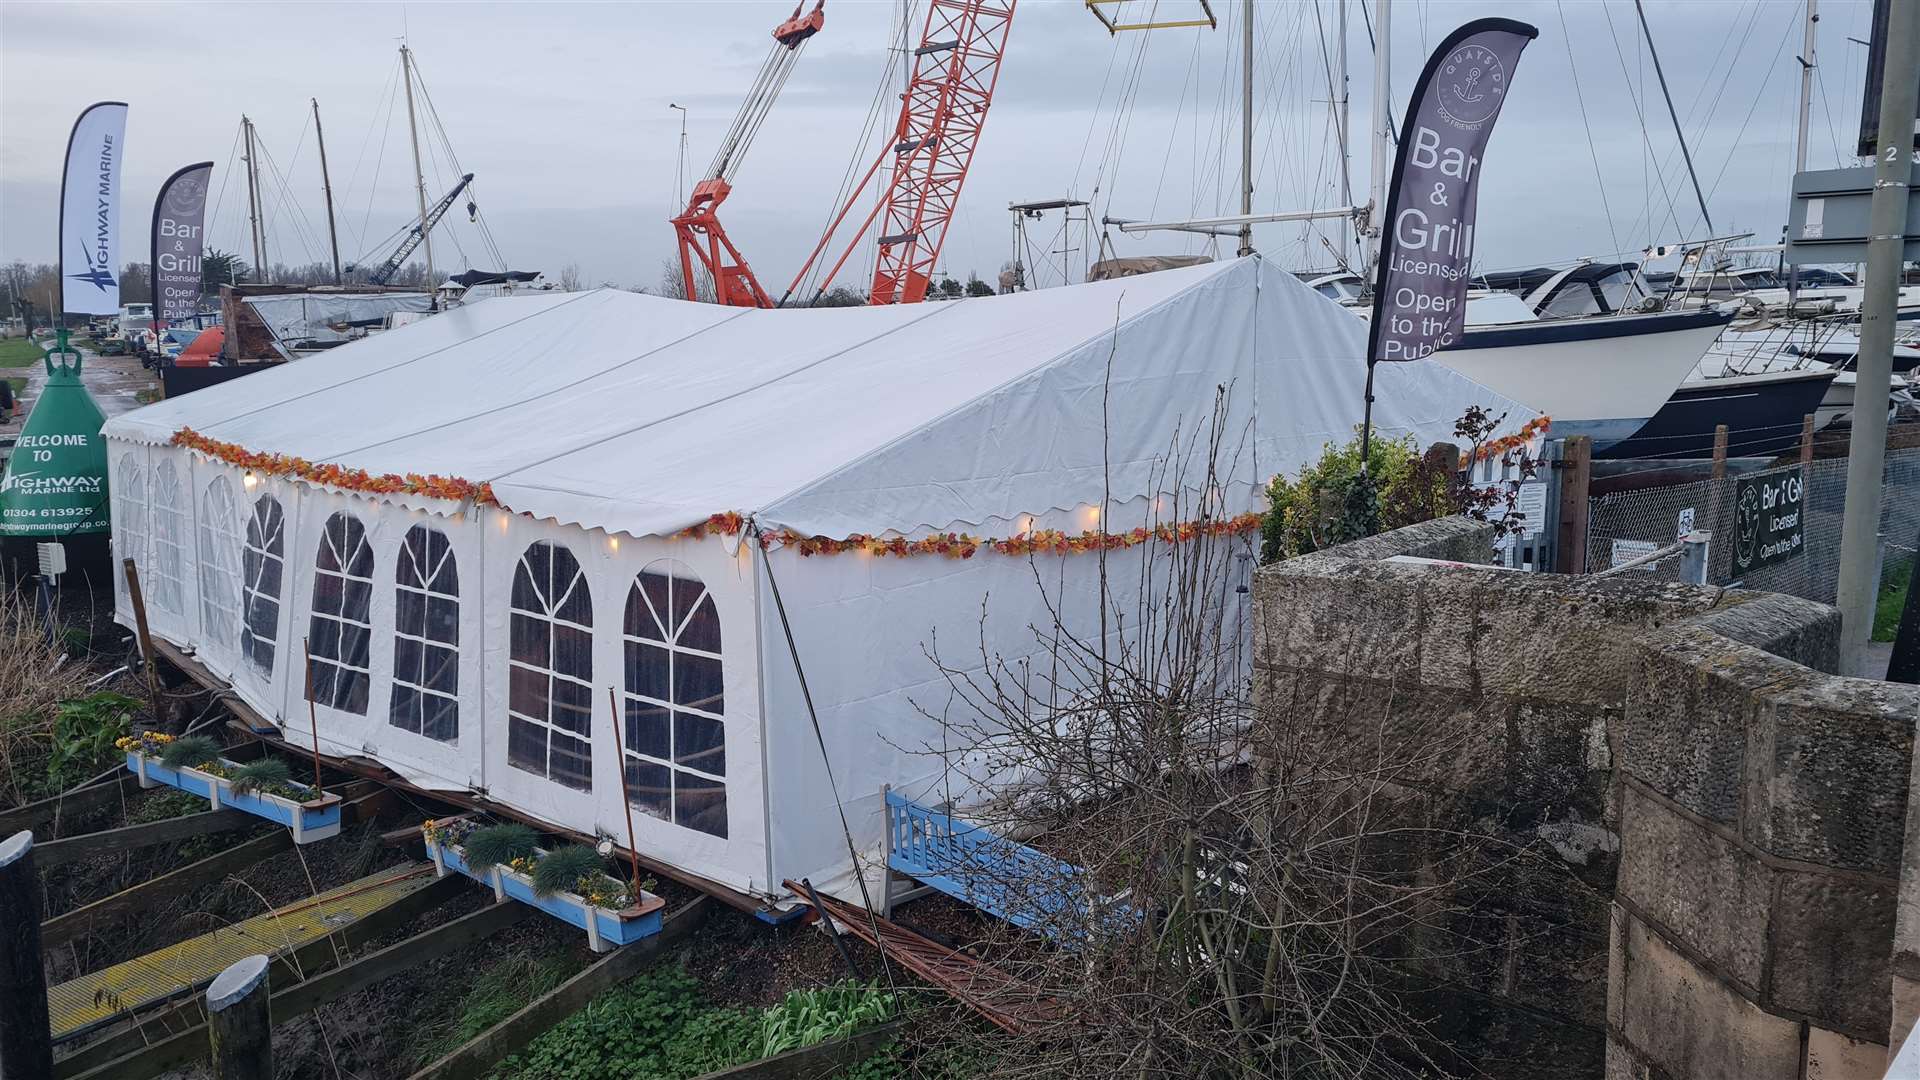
(90, 211)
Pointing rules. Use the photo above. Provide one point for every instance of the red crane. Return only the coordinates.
(702, 240)
(942, 112)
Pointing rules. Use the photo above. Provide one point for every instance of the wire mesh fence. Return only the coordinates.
(1624, 525)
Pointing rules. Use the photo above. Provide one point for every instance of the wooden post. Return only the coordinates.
(1719, 451)
(139, 602)
(1576, 477)
(26, 1037)
(238, 1027)
(1806, 440)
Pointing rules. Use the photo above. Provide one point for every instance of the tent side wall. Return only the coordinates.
(686, 680)
(865, 630)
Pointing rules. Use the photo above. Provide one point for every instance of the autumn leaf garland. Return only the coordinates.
(451, 488)
(963, 546)
(952, 545)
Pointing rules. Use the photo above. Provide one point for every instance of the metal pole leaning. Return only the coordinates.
(238, 1024)
(1887, 229)
(26, 1037)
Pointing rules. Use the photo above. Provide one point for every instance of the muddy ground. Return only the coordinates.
(389, 1029)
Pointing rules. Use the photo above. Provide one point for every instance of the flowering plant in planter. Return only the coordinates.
(569, 883)
(263, 787)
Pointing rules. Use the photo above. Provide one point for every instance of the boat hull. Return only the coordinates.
(1763, 414)
(1599, 377)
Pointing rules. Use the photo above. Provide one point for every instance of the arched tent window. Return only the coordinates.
(169, 540)
(426, 637)
(219, 564)
(550, 669)
(130, 510)
(261, 566)
(675, 741)
(341, 629)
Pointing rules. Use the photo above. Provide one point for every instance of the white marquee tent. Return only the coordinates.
(473, 645)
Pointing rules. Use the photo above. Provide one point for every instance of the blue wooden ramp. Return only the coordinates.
(1002, 877)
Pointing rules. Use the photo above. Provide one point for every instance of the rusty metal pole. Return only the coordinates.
(626, 799)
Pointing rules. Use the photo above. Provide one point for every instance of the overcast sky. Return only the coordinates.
(561, 110)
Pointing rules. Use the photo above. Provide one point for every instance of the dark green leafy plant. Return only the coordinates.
(191, 751)
(269, 774)
(1331, 503)
(805, 1017)
(561, 870)
(497, 845)
(84, 731)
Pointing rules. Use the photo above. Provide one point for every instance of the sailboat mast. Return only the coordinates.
(1382, 136)
(1807, 60)
(1343, 115)
(256, 229)
(419, 175)
(326, 185)
(1246, 125)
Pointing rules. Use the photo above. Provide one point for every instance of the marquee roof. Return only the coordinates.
(645, 415)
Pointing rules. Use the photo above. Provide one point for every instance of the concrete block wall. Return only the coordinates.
(1764, 807)
(1520, 680)
(1736, 814)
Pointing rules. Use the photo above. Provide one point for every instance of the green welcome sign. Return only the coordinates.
(56, 480)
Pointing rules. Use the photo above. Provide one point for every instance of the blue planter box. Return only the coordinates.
(605, 929)
(317, 819)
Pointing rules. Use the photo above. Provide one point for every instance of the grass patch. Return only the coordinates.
(145, 397)
(1895, 580)
(19, 352)
(501, 990)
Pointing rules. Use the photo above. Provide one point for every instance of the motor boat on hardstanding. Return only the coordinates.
(1764, 346)
(1570, 344)
(1763, 413)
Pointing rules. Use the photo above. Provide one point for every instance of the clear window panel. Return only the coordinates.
(700, 803)
(699, 743)
(650, 787)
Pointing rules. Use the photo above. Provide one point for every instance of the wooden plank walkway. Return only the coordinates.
(101, 997)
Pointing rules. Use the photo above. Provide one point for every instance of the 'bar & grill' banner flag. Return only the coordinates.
(179, 228)
(1426, 246)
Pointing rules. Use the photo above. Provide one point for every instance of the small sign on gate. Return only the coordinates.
(1530, 502)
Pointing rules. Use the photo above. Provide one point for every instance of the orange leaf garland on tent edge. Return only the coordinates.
(951, 545)
(450, 488)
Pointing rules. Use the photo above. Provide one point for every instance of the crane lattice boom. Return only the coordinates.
(941, 114)
(417, 234)
(954, 72)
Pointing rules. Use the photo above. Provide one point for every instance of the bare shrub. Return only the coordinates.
(33, 683)
(1242, 891)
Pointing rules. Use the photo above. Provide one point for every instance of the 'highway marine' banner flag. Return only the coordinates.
(90, 211)
(179, 228)
(1426, 250)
